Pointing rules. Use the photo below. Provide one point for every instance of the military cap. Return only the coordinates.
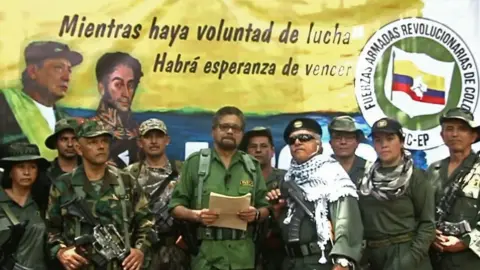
(20, 152)
(255, 132)
(302, 123)
(152, 124)
(344, 123)
(463, 115)
(60, 126)
(387, 125)
(90, 129)
(38, 51)
(459, 114)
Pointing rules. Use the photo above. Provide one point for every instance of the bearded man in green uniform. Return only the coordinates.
(228, 171)
(29, 114)
(344, 139)
(457, 188)
(321, 225)
(157, 175)
(113, 199)
(258, 142)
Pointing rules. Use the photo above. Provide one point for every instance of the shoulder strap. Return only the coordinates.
(252, 170)
(13, 219)
(203, 171)
(120, 192)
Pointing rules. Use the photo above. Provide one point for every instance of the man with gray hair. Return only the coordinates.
(321, 224)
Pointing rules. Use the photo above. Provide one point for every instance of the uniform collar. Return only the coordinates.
(110, 117)
(4, 198)
(79, 178)
(237, 157)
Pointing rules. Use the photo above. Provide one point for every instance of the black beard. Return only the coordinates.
(227, 146)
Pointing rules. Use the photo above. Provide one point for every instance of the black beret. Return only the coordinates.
(302, 123)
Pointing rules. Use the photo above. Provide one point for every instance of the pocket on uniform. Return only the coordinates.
(245, 190)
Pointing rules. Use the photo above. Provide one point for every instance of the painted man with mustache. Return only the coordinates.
(118, 75)
(29, 114)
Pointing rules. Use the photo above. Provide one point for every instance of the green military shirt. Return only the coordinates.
(413, 212)
(30, 252)
(106, 208)
(55, 171)
(232, 181)
(357, 171)
(273, 180)
(466, 207)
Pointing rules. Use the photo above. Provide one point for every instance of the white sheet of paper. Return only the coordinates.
(227, 208)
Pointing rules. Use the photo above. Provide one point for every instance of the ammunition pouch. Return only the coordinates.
(454, 228)
(296, 250)
(218, 234)
(398, 239)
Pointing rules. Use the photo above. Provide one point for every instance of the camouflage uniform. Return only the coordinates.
(105, 204)
(166, 254)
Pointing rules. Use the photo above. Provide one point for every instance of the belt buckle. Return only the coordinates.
(208, 233)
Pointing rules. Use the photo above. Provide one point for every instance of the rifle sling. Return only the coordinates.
(305, 209)
(120, 191)
(13, 219)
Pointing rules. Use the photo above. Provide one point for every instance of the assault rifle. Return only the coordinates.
(105, 240)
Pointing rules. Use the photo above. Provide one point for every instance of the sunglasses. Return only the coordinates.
(301, 137)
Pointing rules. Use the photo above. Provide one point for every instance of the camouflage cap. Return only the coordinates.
(152, 124)
(60, 126)
(344, 123)
(90, 129)
(254, 132)
(463, 115)
(459, 114)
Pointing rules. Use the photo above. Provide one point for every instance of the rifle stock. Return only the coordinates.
(8, 249)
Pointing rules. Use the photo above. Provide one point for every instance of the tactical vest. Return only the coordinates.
(119, 192)
(203, 173)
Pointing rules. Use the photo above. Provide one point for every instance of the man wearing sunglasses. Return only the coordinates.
(344, 139)
(226, 171)
(457, 188)
(321, 224)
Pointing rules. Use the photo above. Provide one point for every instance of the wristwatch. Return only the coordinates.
(343, 262)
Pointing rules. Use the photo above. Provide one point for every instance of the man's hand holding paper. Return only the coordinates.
(249, 214)
(206, 216)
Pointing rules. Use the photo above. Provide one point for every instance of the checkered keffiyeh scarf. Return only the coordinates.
(387, 186)
(322, 180)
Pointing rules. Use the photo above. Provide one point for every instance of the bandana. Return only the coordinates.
(322, 180)
(387, 186)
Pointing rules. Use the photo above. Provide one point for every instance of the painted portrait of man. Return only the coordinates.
(118, 76)
(29, 114)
